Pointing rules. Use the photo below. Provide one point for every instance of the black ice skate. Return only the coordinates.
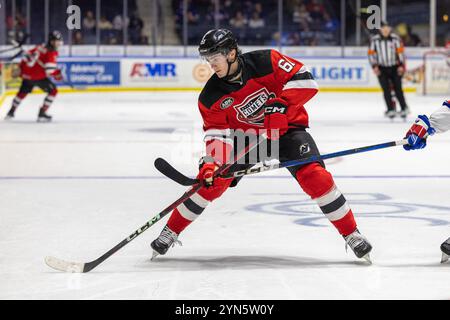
(43, 116)
(10, 114)
(404, 114)
(166, 239)
(445, 248)
(359, 244)
(390, 114)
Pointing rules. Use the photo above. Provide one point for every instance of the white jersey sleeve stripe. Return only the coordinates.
(223, 135)
(301, 84)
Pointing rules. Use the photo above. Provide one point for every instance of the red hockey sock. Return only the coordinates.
(345, 225)
(193, 207)
(319, 185)
(177, 222)
(18, 99)
(49, 100)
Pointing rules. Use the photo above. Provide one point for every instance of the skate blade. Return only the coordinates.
(367, 258)
(154, 255)
(445, 257)
(44, 120)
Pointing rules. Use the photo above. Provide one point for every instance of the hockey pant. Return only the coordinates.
(27, 86)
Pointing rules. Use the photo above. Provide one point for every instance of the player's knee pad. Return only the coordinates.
(215, 191)
(314, 179)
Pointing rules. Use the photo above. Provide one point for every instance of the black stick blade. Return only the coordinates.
(166, 169)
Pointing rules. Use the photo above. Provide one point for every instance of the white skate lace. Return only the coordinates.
(169, 237)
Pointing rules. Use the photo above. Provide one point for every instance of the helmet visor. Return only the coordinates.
(215, 58)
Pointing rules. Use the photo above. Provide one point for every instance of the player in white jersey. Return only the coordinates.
(438, 122)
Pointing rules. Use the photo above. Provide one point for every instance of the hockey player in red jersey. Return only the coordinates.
(438, 122)
(263, 91)
(36, 67)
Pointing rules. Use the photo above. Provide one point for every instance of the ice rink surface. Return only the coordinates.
(76, 187)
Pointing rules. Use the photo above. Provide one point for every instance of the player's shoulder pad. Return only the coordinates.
(211, 93)
(258, 62)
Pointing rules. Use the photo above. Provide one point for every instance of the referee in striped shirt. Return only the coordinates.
(388, 62)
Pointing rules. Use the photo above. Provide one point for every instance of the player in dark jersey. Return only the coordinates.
(36, 68)
(263, 91)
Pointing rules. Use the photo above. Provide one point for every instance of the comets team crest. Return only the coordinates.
(251, 110)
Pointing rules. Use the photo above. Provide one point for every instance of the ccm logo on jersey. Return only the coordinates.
(275, 109)
(226, 103)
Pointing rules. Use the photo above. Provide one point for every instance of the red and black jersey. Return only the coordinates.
(39, 63)
(266, 74)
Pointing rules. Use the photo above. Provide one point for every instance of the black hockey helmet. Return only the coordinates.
(55, 35)
(217, 41)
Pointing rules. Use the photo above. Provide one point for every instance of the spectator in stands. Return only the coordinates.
(113, 40)
(316, 11)
(193, 16)
(330, 24)
(89, 22)
(409, 38)
(256, 25)
(258, 8)
(316, 8)
(106, 32)
(276, 38)
(77, 38)
(293, 39)
(256, 21)
(228, 6)
(135, 29)
(302, 17)
(104, 24)
(239, 21)
(239, 26)
(21, 22)
(118, 22)
(247, 8)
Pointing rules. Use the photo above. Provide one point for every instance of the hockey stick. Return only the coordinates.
(8, 59)
(9, 49)
(165, 168)
(17, 45)
(67, 266)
